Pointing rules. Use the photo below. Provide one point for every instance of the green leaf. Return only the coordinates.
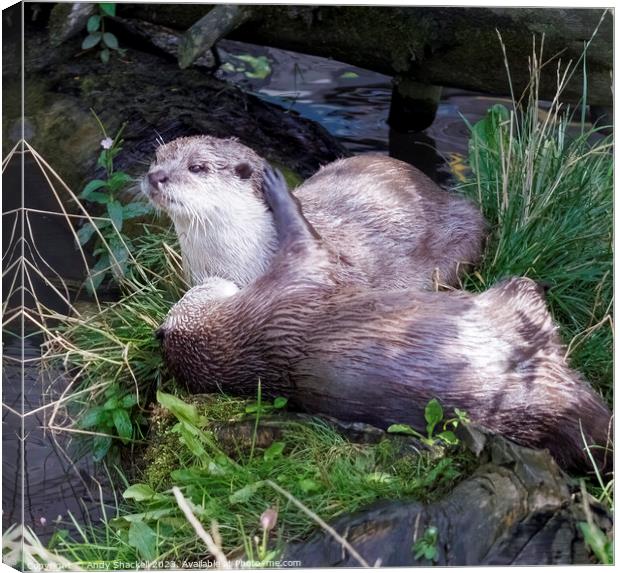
(308, 485)
(187, 475)
(92, 186)
(245, 493)
(433, 414)
(118, 257)
(153, 514)
(123, 424)
(115, 211)
(104, 55)
(260, 66)
(273, 451)
(101, 445)
(91, 40)
(101, 198)
(93, 417)
(136, 209)
(111, 403)
(85, 232)
(102, 160)
(191, 441)
(403, 429)
(110, 41)
(139, 492)
(448, 437)
(431, 553)
(462, 415)
(144, 539)
(182, 411)
(129, 401)
(93, 23)
(97, 273)
(280, 402)
(112, 390)
(108, 8)
(118, 180)
(598, 542)
(349, 75)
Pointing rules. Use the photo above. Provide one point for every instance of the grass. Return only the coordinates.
(229, 485)
(544, 183)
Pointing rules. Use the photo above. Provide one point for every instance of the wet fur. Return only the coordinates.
(390, 225)
(364, 355)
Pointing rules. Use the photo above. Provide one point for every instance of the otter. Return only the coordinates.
(379, 356)
(390, 224)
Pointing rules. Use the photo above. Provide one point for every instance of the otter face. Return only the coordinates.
(211, 189)
(199, 177)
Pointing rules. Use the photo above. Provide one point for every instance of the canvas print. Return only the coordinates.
(306, 286)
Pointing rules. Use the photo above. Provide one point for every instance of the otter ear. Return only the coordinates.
(244, 170)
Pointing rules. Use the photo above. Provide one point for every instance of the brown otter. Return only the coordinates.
(360, 354)
(390, 224)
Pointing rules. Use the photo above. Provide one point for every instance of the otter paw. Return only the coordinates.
(274, 185)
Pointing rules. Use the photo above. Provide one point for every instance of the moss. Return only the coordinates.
(160, 459)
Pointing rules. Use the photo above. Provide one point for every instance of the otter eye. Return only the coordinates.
(196, 168)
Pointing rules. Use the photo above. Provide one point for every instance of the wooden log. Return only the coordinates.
(202, 35)
(517, 508)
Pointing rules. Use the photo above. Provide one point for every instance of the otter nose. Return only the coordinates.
(158, 176)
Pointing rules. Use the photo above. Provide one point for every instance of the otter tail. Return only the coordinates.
(584, 440)
(565, 415)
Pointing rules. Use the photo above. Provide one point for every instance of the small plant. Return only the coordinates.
(113, 415)
(426, 546)
(97, 36)
(433, 414)
(266, 407)
(601, 546)
(258, 553)
(112, 246)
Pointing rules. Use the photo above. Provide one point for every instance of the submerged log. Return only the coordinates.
(516, 509)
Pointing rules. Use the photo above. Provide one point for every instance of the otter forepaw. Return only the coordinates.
(274, 186)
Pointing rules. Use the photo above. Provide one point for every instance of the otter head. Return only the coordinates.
(211, 189)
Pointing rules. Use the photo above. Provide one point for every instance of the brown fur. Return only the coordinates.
(379, 356)
(390, 225)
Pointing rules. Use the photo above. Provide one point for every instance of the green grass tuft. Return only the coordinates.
(546, 188)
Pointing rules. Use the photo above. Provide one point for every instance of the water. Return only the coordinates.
(353, 105)
(350, 103)
(55, 481)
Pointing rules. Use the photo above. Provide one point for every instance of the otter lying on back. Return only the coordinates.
(379, 356)
(390, 224)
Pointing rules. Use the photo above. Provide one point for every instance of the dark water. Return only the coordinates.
(350, 103)
(353, 105)
(55, 481)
